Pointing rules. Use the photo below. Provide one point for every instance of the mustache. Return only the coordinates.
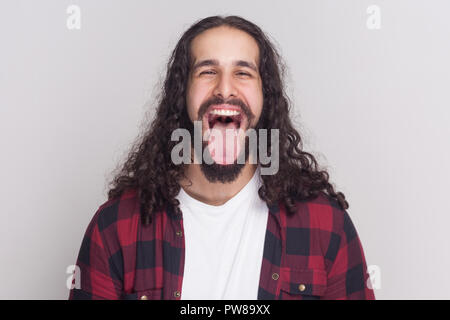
(217, 100)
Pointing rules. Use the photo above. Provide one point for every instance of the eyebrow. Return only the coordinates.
(214, 62)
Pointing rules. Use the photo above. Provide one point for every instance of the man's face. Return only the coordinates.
(224, 89)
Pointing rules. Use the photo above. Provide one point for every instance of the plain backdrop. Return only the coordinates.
(371, 104)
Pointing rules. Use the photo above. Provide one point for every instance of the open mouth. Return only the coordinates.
(224, 123)
(224, 117)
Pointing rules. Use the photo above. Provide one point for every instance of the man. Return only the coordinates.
(216, 227)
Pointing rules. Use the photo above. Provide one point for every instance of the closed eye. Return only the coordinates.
(213, 72)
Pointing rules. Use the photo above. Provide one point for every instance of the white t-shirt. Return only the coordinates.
(224, 245)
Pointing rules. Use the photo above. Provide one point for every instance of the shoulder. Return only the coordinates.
(323, 212)
(117, 219)
(120, 208)
(108, 245)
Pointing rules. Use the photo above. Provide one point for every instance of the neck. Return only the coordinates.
(216, 193)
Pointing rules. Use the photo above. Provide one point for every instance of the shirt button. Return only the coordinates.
(301, 287)
(179, 233)
(176, 294)
(275, 276)
(144, 298)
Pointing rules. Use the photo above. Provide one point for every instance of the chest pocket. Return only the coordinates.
(302, 284)
(150, 294)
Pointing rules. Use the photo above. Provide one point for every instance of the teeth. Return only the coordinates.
(225, 112)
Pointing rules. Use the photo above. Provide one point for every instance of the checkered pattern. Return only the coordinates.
(312, 254)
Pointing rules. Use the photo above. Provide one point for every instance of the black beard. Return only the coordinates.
(223, 173)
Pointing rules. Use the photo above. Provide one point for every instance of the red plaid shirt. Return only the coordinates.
(312, 254)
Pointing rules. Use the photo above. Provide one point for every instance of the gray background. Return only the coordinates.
(372, 105)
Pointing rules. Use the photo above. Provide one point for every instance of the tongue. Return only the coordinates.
(223, 142)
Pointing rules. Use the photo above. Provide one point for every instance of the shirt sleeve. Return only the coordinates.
(97, 279)
(347, 274)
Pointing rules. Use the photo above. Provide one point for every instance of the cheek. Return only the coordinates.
(255, 99)
(195, 96)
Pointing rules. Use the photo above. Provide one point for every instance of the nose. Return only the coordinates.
(225, 87)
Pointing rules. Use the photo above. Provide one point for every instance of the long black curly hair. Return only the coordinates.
(149, 169)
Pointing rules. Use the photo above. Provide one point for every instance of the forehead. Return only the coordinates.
(225, 44)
